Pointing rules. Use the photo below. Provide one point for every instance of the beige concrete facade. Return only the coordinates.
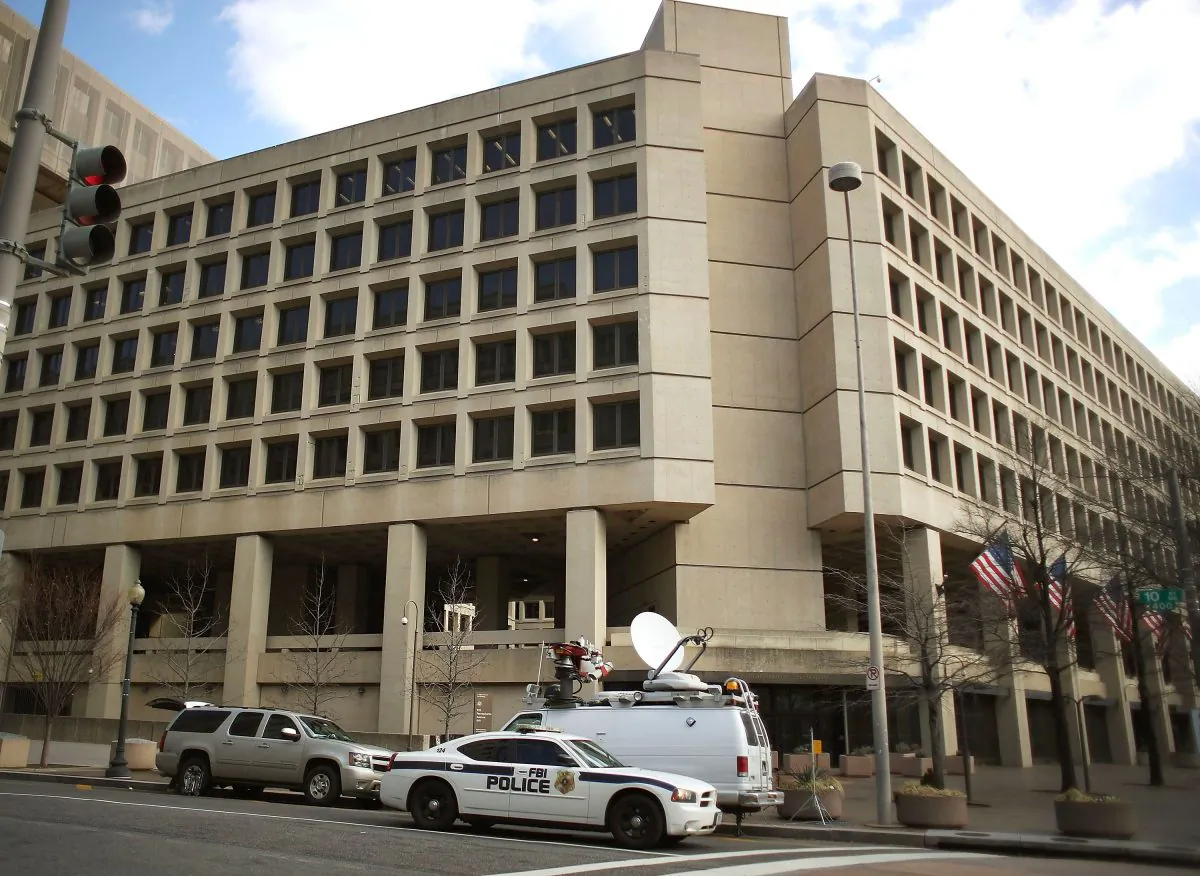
(676, 430)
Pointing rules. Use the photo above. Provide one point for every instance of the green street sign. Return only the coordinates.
(1161, 597)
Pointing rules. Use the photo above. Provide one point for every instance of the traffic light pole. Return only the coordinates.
(20, 181)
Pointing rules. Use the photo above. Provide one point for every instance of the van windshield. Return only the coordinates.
(322, 728)
(593, 755)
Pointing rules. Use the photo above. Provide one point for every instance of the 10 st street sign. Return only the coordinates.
(1161, 597)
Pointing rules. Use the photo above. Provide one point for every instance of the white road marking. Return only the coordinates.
(773, 868)
(709, 856)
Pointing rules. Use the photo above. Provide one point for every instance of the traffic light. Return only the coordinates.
(92, 205)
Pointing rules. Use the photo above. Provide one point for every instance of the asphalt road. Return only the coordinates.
(56, 829)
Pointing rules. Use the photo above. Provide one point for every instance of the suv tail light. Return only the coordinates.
(162, 741)
(743, 766)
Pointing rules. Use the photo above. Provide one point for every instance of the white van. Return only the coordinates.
(713, 734)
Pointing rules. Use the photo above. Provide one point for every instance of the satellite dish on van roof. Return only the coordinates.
(654, 638)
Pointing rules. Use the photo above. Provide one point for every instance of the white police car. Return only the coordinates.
(545, 778)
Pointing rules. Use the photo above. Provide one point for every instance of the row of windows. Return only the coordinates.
(614, 425)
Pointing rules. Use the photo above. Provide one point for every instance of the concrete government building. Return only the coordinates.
(590, 332)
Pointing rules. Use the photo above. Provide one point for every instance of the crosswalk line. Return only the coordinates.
(675, 860)
(775, 868)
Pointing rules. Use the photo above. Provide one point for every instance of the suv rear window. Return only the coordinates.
(200, 720)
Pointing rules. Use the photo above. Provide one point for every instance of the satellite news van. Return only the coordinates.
(675, 723)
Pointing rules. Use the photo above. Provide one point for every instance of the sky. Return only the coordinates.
(1080, 119)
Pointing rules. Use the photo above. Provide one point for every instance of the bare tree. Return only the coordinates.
(66, 633)
(10, 587)
(450, 662)
(317, 667)
(191, 620)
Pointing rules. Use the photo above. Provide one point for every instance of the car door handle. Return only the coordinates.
(227, 742)
(263, 745)
(456, 766)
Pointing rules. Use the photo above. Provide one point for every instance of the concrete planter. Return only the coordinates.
(938, 813)
(858, 767)
(795, 805)
(138, 754)
(774, 761)
(915, 767)
(14, 752)
(1104, 820)
(1185, 760)
(954, 765)
(795, 763)
(896, 762)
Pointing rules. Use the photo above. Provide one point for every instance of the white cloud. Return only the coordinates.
(1182, 355)
(153, 17)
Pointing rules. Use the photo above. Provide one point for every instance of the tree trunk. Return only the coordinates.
(1154, 754)
(46, 727)
(1062, 728)
(937, 742)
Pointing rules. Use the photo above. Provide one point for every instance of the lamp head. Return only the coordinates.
(137, 593)
(845, 176)
(404, 620)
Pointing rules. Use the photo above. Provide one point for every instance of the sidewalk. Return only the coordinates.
(140, 780)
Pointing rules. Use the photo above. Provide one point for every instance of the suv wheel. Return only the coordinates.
(194, 776)
(322, 785)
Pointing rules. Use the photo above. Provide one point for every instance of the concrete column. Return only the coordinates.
(348, 598)
(1160, 714)
(249, 606)
(922, 569)
(12, 576)
(404, 581)
(122, 566)
(1112, 672)
(1012, 715)
(491, 593)
(586, 609)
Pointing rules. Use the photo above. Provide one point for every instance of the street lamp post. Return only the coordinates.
(412, 675)
(118, 768)
(845, 177)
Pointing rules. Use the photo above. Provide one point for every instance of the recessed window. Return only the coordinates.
(281, 461)
(400, 175)
(70, 484)
(8, 430)
(443, 298)
(615, 344)
(445, 230)
(615, 269)
(613, 126)
(287, 391)
(197, 404)
(554, 280)
(381, 451)
(450, 164)
(220, 218)
(124, 355)
(170, 287)
(501, 152)
(293, 325)
(306, 197)
(14, 378)
(345, 251)
(335, 386)
(386, 379)
(133, 295)
(341, 315)
(60, 311)
(614, 196)
(147, 480)
(500, 219)
(435, 445)
(108, 480)
(156, 406)
(439, 370)
(498, 289)
(556, 139)
(26, 317)
(189, 474)
(51, 368)
(556, 208)
(205, 336)
(495, 362)
(554, 354)
(553, 432)
(162, 347)
(41, 428)
(247, 333)
(616, 424)
(38, 251)
(95, 302)
(395, 241)
(33, 484)
(256, 268)
(87, 358)
(179, 228)
(141, 236)
(298, 260)
(351, 187)
(493, 439)
(212, 278)
(235, 467)
(79, 418)
(261, 210)
(329, 457)
(391, 307)
(116, 416)
(239, 399)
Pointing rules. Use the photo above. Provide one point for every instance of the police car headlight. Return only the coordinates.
(683, 795)
(359, 759)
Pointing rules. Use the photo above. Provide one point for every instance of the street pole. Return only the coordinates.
(20, 180)
(1187, 572)
(1085, 753)
(418, 617)
(845, 178)
(964, 746)
(119, 768)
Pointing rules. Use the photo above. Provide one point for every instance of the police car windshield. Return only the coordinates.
(323, 729)
(592, 754)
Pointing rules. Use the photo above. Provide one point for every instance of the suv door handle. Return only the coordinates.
(227, 742)
(263, 745)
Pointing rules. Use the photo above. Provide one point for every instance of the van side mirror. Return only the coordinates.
(291, 734)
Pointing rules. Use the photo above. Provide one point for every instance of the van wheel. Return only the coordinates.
(433, 805)
(322, 785)
(636, 821)
(194, 776)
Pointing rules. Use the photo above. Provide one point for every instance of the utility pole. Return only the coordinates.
(1187, 571)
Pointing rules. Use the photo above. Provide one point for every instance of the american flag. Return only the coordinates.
(1157, 623)
(1113, 604)
(997, 571)
(1059, 598)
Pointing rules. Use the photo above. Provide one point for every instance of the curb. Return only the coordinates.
(94, 781)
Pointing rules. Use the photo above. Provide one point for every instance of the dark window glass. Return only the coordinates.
(298, 260)
(41, 428)
(281, 461)
(8, 431)
(450, 164)
(170, 288)
(33, 484)
(543, 752)
(154, 415)
(553, 432)
(38, 251)
(491, 750)
(554, 354)
(287, 391)
(199, 720)
(615, 269)
(162, 348)
(245, 724)
(439, 370)
(220, 218)
(306, 197)
(197, 404)
(239, 401)
(212, 279)
(179, 228)
(51, 368)
(261, 210)
(116, 416)
(445, 230)
(276, 724)
(14, 378)
(95, 303)
(235, 467)
(204, 340)
(78, 419)
(556, 208)
(502, 152)
(400, 176)
(189, 477)
(556, 139)
(386, 378)
(329, 457)
(498, 289)
(133, 294)
(351, 187)
(616, 424)
(612, 126)
(391, 307)
(335, 385)
(615, 195)
(499, 220)
(140, 237)
(395, 241)
(615, 344)
(247, 333)
(108, 480)
(124, 355)
(60, 311)
(70, 482)
(87, 358)
(443, 298)
(555, 280)
(435, 445)
(341, 315)
(346, 251)
(293, 325)
(493, 439)
(495, 363)
(381, 451)
(26, 319)
(147, 480)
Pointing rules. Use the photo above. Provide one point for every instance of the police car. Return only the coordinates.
(545, 778)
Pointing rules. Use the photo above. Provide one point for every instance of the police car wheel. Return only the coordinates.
(636, 821)
(433, 805)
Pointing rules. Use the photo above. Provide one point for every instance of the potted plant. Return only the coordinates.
(920, 805)
(802, 758)
(916, 765)
(859, 763)
(1078, 813)
(798, 790)
(955, 765)
(901, 752)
